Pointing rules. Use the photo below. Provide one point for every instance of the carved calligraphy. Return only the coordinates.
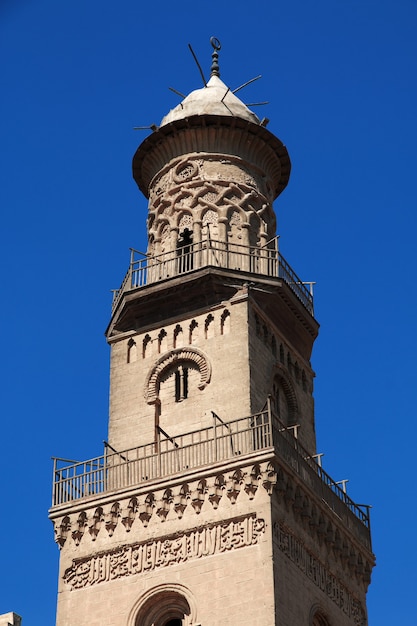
(319, 574)
(143, 557)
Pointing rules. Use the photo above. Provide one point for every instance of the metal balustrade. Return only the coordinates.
(266, 261)
(222, 441)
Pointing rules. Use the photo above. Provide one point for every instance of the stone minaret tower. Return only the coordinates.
(210, 506)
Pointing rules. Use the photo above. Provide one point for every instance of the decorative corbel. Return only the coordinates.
(269, 478)
(165, 504)
(128, 515)
(216, 491)
(234, 485)
(97, 521)
(78, 533)
(62, 530)
(198, 496)
(112, 518)
(145, 510)
(180, 500)
(252, 481)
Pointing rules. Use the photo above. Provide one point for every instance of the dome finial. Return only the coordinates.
(215, 70)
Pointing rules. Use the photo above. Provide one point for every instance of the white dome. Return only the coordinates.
(211, 100)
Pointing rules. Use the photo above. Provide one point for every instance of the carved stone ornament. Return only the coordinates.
(198, 496)
(141, 558)
(128, 515)
(318, 573)
(237, 202)
(96, 523)
(185, 171)
(111, 518)
(216, 491)
(61, 530)
(243, 482)
(170, 358)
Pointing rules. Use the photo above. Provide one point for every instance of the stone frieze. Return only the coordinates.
(314, 569)
(139, 558)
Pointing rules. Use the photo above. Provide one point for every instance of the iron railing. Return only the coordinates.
(222, 441)
(267, 261)
(167, 456)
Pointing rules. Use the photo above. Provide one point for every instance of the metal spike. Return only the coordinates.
(177, 92)
(252, 80)
(198, 65)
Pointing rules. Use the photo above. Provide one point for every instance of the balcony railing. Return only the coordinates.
(222, 441)
(266, 261)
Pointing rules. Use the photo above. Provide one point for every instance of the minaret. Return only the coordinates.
(210, 505)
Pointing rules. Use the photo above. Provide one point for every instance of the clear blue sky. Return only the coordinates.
(76, 77)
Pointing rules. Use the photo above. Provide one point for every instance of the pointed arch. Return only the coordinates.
(165, 236)
(210, 224)
(236, 213)
(254, 230)
(236, 219)
(184, 220)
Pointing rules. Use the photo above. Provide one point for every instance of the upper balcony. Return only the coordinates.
(171, 458)
(265, 262)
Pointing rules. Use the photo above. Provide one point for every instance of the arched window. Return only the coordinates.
(318, 617)
(284, 399)
(319, 620)
(165, 366)
(185, 251)
(280, 401)
(165, 605)
(210, 227)
(181, 383)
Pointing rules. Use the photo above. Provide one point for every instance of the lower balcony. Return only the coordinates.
(222, 443)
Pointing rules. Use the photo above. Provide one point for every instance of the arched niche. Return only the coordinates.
(284, 398)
